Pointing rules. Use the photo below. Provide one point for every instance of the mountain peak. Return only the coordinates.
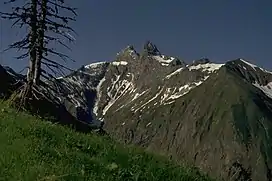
(201, 61)
(151, 48)
(129, 48)
(128, 51)
(245, 64)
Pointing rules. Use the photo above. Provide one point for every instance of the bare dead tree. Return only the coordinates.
(53, 28)
(45, 24)
(25, 15)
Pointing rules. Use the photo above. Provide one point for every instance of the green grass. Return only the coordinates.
(31, 149)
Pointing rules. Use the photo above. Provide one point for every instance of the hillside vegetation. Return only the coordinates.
(32, 149)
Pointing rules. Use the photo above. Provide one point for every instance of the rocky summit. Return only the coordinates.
(217, 117)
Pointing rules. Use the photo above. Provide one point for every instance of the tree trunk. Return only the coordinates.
(41, 30)
(33, 39)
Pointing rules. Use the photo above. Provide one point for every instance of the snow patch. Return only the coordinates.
(254, 66)
(119, 93)
(174, 73)
(174, 93)
(117, 90)
(250, 64)
(98, 93)
(267, 89)
(162, 59)
(168, 103)
(152, 99)
(210, 67)
(137, 95)
(164, 64)
(119, 63)
(94, 65)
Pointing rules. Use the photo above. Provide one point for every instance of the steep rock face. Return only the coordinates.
(78, 91)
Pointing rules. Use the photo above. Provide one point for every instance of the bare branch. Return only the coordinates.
(57, 64)
(60, 55)
(57, 40)
(73, 10)
(10, 1)
(23, 56)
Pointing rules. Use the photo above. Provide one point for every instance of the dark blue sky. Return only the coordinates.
(190, 29)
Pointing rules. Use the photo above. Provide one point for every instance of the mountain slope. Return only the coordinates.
(33, 149)
(8, 82)
(216, 116)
